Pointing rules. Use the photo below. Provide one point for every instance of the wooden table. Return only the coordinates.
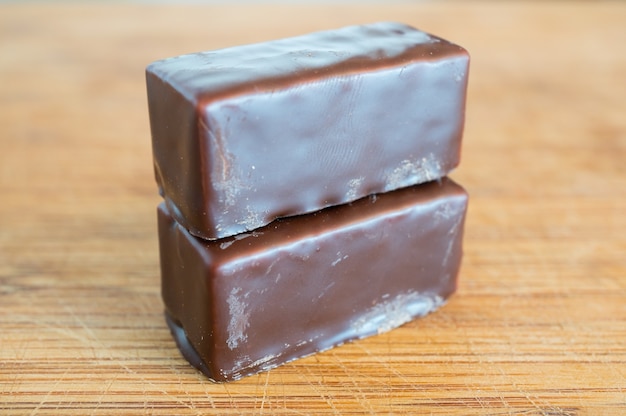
(538, 325)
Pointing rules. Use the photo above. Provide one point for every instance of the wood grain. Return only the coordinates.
(538, 325)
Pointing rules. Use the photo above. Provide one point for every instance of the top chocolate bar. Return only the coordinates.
(244, 135)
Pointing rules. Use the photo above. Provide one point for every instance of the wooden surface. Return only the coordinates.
(538, 325)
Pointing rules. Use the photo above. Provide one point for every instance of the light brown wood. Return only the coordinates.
(538, 325)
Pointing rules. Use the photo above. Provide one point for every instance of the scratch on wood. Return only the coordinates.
(361, 397)
(265, 387)
(315, 388)
(50, 392)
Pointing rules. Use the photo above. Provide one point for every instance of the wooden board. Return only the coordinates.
(538, 325)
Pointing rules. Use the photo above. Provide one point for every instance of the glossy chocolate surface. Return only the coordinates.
(244, 135)
(305, 284)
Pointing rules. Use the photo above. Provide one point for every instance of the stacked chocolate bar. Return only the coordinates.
(306, 198)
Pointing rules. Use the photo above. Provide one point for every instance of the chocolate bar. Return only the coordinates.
(245, 135)
(304, 284)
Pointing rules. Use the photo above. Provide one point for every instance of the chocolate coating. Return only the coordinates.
(305, 284)
(244, 135)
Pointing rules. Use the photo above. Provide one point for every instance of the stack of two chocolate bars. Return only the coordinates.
(306, 198)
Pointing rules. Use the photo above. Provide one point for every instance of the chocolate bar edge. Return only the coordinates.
(184, 345)
(189, 352)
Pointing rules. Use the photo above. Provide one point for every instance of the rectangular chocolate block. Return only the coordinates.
(247, 134)
(305, 284)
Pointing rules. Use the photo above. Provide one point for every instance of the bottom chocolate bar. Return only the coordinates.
(304, 284)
